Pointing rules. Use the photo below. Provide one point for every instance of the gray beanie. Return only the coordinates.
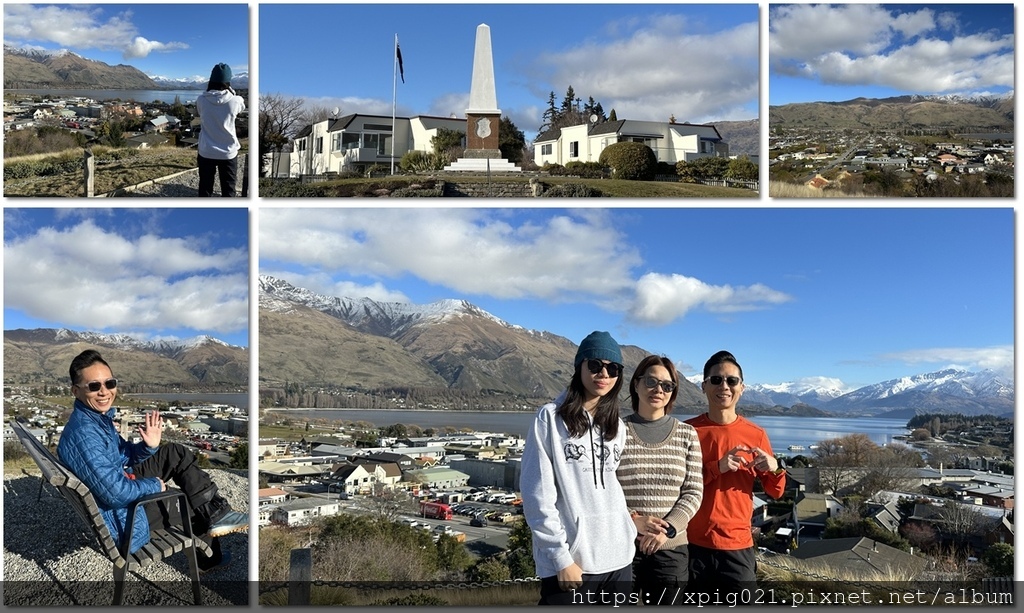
(598, 346)
(221, 74)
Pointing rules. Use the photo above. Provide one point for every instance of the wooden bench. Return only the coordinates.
(163, 542)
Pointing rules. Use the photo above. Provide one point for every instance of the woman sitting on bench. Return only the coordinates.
(119, 472)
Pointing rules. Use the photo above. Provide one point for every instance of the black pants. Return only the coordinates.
(725, 572)
(176, 464)
(614, 588)
(660, 578)
(228, 170)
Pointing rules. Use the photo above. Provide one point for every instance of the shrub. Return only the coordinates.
(702, 169)
(585, 170)
(741, 169)
(420, 161)
(630, 161)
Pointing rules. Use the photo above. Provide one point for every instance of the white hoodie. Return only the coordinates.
(217, 109)
(572, 500)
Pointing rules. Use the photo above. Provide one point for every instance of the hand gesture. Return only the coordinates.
(763, 461)
(150, 432)
(570, 577)
(647, 525)
(733, 460)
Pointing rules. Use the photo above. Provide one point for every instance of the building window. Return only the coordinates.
(302, 147)
(545, 149)
(349, 140)
(574, 149)
(319, 144)
(336, 141)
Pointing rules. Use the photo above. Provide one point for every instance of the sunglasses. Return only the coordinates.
(717, 380)
(596, 366)
(94, 386)
(666, 386)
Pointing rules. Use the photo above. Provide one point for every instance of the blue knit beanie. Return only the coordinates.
(598, 346)
(221, 74)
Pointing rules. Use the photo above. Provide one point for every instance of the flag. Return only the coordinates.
(401, 69)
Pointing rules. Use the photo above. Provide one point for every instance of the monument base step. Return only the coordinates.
(481, 165)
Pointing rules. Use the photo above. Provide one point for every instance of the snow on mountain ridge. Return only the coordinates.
(277, 294)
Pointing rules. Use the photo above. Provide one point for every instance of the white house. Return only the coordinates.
(356, 142)
(671, 142)
(303, 511)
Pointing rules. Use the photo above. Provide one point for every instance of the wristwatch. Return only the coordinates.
(671, 532)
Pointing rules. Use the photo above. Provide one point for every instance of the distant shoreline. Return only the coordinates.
(447, 411)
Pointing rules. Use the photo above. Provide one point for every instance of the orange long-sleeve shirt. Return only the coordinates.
(723, 519)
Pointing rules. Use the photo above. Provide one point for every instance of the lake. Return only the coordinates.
(138, 95)
(232, 399)
(782, 431)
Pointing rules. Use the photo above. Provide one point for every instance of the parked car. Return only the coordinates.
(478, 521)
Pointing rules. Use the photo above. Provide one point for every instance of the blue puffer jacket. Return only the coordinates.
(91, 447)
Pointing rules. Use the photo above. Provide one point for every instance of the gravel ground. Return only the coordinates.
(185, 185)
(50, 557)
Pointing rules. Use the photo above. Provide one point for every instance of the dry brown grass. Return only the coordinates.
(779, 189)
(147, 165)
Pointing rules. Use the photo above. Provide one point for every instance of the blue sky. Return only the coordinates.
(168, 40)
(859, 295)
(829, 52)
(697, 62)
(150, 273)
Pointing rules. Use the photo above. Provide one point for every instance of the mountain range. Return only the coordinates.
(63, 69)
(964, 113)
(203, 363)
(359, 343)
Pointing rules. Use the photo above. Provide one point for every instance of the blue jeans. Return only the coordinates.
(208, 168)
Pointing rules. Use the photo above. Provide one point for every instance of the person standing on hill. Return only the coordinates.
(661, 476)
(736, 452)
(583, 538)
(218, 107)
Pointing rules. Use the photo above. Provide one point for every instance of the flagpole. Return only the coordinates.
(394, 104)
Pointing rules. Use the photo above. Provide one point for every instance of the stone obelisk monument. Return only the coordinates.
(483, 115)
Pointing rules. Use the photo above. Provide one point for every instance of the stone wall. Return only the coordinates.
(500, 189)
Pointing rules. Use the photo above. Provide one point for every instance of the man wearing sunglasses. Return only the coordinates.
(736, 451)
(119, 473)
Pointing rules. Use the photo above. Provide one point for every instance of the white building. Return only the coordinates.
(356, 142)
(303, 511)
(671, 142)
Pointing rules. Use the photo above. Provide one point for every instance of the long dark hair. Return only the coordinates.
(606, 415)
(641, 372)
(217, 85)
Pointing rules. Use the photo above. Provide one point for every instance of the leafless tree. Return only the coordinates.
(388, 503)
(280, 118)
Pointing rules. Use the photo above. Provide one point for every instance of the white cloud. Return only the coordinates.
(475, 252)
(662, 298)
(696, 76)
(79, 27)
(88, 276)
(574, 257)
(140, 47)
(871, 45)
(998, 358)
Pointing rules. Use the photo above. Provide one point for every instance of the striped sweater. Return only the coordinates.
(663, 479)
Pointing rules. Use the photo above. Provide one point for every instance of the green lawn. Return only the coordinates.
(613, 188)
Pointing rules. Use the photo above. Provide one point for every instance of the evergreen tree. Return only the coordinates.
(511, 140)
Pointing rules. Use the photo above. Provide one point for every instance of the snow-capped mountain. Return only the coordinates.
(930, 390)
(201, 362)
(239, 81)
(389, 319)
(127, 341)
(814, 391)
(38, 54)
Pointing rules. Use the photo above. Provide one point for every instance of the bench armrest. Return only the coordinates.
(170, 493)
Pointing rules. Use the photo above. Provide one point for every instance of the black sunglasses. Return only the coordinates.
(717, 380)
(595, 367)
(94, 386)
(666, 386)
